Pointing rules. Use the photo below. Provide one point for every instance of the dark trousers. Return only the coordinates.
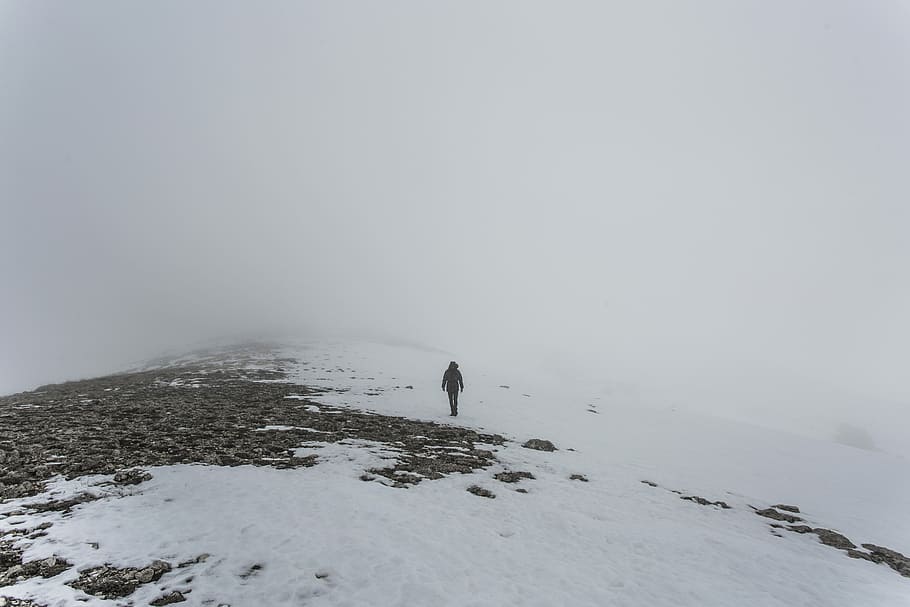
(453, 402)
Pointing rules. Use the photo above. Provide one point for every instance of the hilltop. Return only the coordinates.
(330, 474)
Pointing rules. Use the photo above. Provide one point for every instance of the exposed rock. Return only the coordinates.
(477, 490)
(833, 538)
(110, 582)
(579, 477)
(10, 555)
(8, 601)
(876, 554)
(778, 516)
(786, 507)
(168, 599)
(132, 477)
(650, 483)
(539, 444)
(705, 502)
(892, 558)
(14, 570)
(797, 528)
(859, 554)
(64, 505)
(512, 477)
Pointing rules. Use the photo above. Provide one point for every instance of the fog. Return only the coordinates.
(706, 201)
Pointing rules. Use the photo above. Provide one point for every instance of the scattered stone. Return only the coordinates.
(110, 582)
(650, 483)
(168, 599)
(786, 507)
(579, 477)
(539, 444)
(778, 516)
(321, 575)
(367, 477)
(521, 490)
(704, 502)
(477, 490)
(512, 477)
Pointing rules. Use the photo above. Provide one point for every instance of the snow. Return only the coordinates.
(322, 536)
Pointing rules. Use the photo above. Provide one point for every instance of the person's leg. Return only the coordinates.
(451, 403)
(455, 403)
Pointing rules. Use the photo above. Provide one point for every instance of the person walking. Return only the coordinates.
(451, 382)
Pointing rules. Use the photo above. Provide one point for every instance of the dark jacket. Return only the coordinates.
(451, 379)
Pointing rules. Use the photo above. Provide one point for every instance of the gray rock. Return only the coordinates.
(539, 444)
(799, 528)
(833, 539)
(892, 558)
(111, 582)
(778, 516)
(704, 502)
(512, 477)
(477, 490)
(168, 599)
(132, 477)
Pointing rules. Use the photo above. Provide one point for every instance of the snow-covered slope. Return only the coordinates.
(322, 536)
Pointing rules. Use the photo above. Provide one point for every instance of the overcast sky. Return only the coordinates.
(708, 198)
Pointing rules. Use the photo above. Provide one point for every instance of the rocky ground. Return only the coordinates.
(222, 414)
(153, 418)
(229, 413)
